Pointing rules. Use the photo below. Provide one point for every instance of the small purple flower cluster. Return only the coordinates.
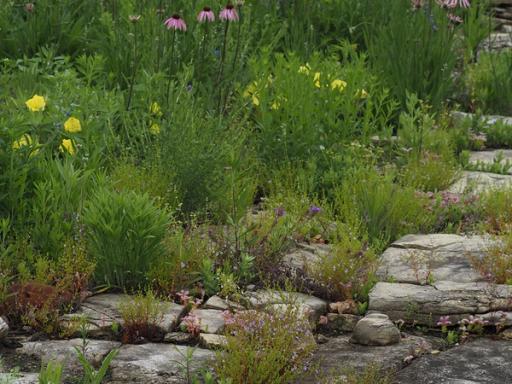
(452, 209)
(265, 327)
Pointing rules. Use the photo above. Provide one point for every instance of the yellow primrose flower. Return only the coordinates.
(338, 84)
(24, 140)
(36, 103)
(275, 105)
(251, 91)
(304, 69)
(154, 129)
(316, 79)
(361, 93)
(155, 109)
(72, 125)
(67, 145)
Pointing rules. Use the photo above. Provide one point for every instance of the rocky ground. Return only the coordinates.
(422, 278)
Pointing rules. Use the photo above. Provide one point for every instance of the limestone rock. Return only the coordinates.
(487, 120)
(426, 303)
(216, 302)
(422, 259)
(339, 354)
(341, 322)
(178, 338)
(64, 352)
(19, 378)
(211, 320)
(266, 298)
(496, 42)
(482, 361)
(375, 329)
(305, 256)
(487, 158)
(156, 363)
(480, 182)
(211, 341)
(103, 315)
(4, 328)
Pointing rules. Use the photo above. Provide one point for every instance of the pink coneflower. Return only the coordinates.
(455, 3)
(176, 22)
(455, 19)
(206, 15)
(229, 13)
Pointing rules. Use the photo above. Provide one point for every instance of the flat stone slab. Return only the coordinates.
(19, 378)
(496, 42)
(64, 351)
(102, 314)
(305, 256)
(216, 302)
(338, 355)
(156, 363)
(480, 182)
(267, 298)
(422, 259)
(426, 303)
(211, 320)
(487, 158)
(482, 361)
(488, 119)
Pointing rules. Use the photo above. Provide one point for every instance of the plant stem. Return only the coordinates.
(237, 49)
(134, 68)
(221, 68)
(205, 43)
(171, 65)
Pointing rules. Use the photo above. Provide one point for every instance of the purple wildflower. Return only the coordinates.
(229, 13)
(206, 15)
(279, 211)
(456, 3)
(313, 210)
(176, 22)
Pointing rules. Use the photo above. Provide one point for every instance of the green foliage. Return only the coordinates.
(124, 235)
(497, 210)
(496, 264)
(490, 83)
(57, 204)
(373, 374)
(91, 375)
(141, 316)
(51, 373)
(184, 262)
(303, 110)
(346, 270)
(498, 135)
(375, 205)
(413, 51)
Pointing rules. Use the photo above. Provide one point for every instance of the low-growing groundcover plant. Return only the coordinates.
(266, 347)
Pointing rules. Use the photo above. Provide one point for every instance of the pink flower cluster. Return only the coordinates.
(455, 3)
(185, 299)
(192, 324)
(228, 13)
